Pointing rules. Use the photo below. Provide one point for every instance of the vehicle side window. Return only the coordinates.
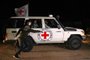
(50, 23)
(15, 23)
(36, 23)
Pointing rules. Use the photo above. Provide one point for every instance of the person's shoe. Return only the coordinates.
(16, 57)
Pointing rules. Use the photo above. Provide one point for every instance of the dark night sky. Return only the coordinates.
(70, 10)
(67, 8)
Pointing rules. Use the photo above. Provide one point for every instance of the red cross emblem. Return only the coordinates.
(21, 12)
(45, 35)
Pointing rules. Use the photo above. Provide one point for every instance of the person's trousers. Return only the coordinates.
(23, 45)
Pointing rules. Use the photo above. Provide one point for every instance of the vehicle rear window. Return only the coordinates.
(15, 23)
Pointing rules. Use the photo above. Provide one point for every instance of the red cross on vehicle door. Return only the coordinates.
(45, 35)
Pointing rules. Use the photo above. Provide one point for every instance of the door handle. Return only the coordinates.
(58, 31)
(14, 31)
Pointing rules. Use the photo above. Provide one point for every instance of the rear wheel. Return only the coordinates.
(27, 44)
(74, 43)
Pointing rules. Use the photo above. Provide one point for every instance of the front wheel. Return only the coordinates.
(74, 43)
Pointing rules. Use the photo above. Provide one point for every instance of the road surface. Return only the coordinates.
(46, 52)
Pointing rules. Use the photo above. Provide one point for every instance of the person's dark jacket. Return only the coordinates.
(25, 30)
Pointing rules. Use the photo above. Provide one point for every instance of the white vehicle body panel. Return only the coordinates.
(57, 35)
(11, 33)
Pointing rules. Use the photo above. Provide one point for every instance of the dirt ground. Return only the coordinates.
(46, 52)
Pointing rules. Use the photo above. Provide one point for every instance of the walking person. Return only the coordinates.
(22, 34)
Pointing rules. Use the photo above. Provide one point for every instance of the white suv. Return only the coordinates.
(53, 32)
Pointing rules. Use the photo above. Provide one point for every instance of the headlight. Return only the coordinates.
(82, 32)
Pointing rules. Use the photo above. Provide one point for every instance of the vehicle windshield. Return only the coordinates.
(51, 23)
(61, 24)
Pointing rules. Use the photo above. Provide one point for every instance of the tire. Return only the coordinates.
(29, 45)
(74, 43)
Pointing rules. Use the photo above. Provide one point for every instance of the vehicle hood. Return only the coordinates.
(73, 29)
(70, 29)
